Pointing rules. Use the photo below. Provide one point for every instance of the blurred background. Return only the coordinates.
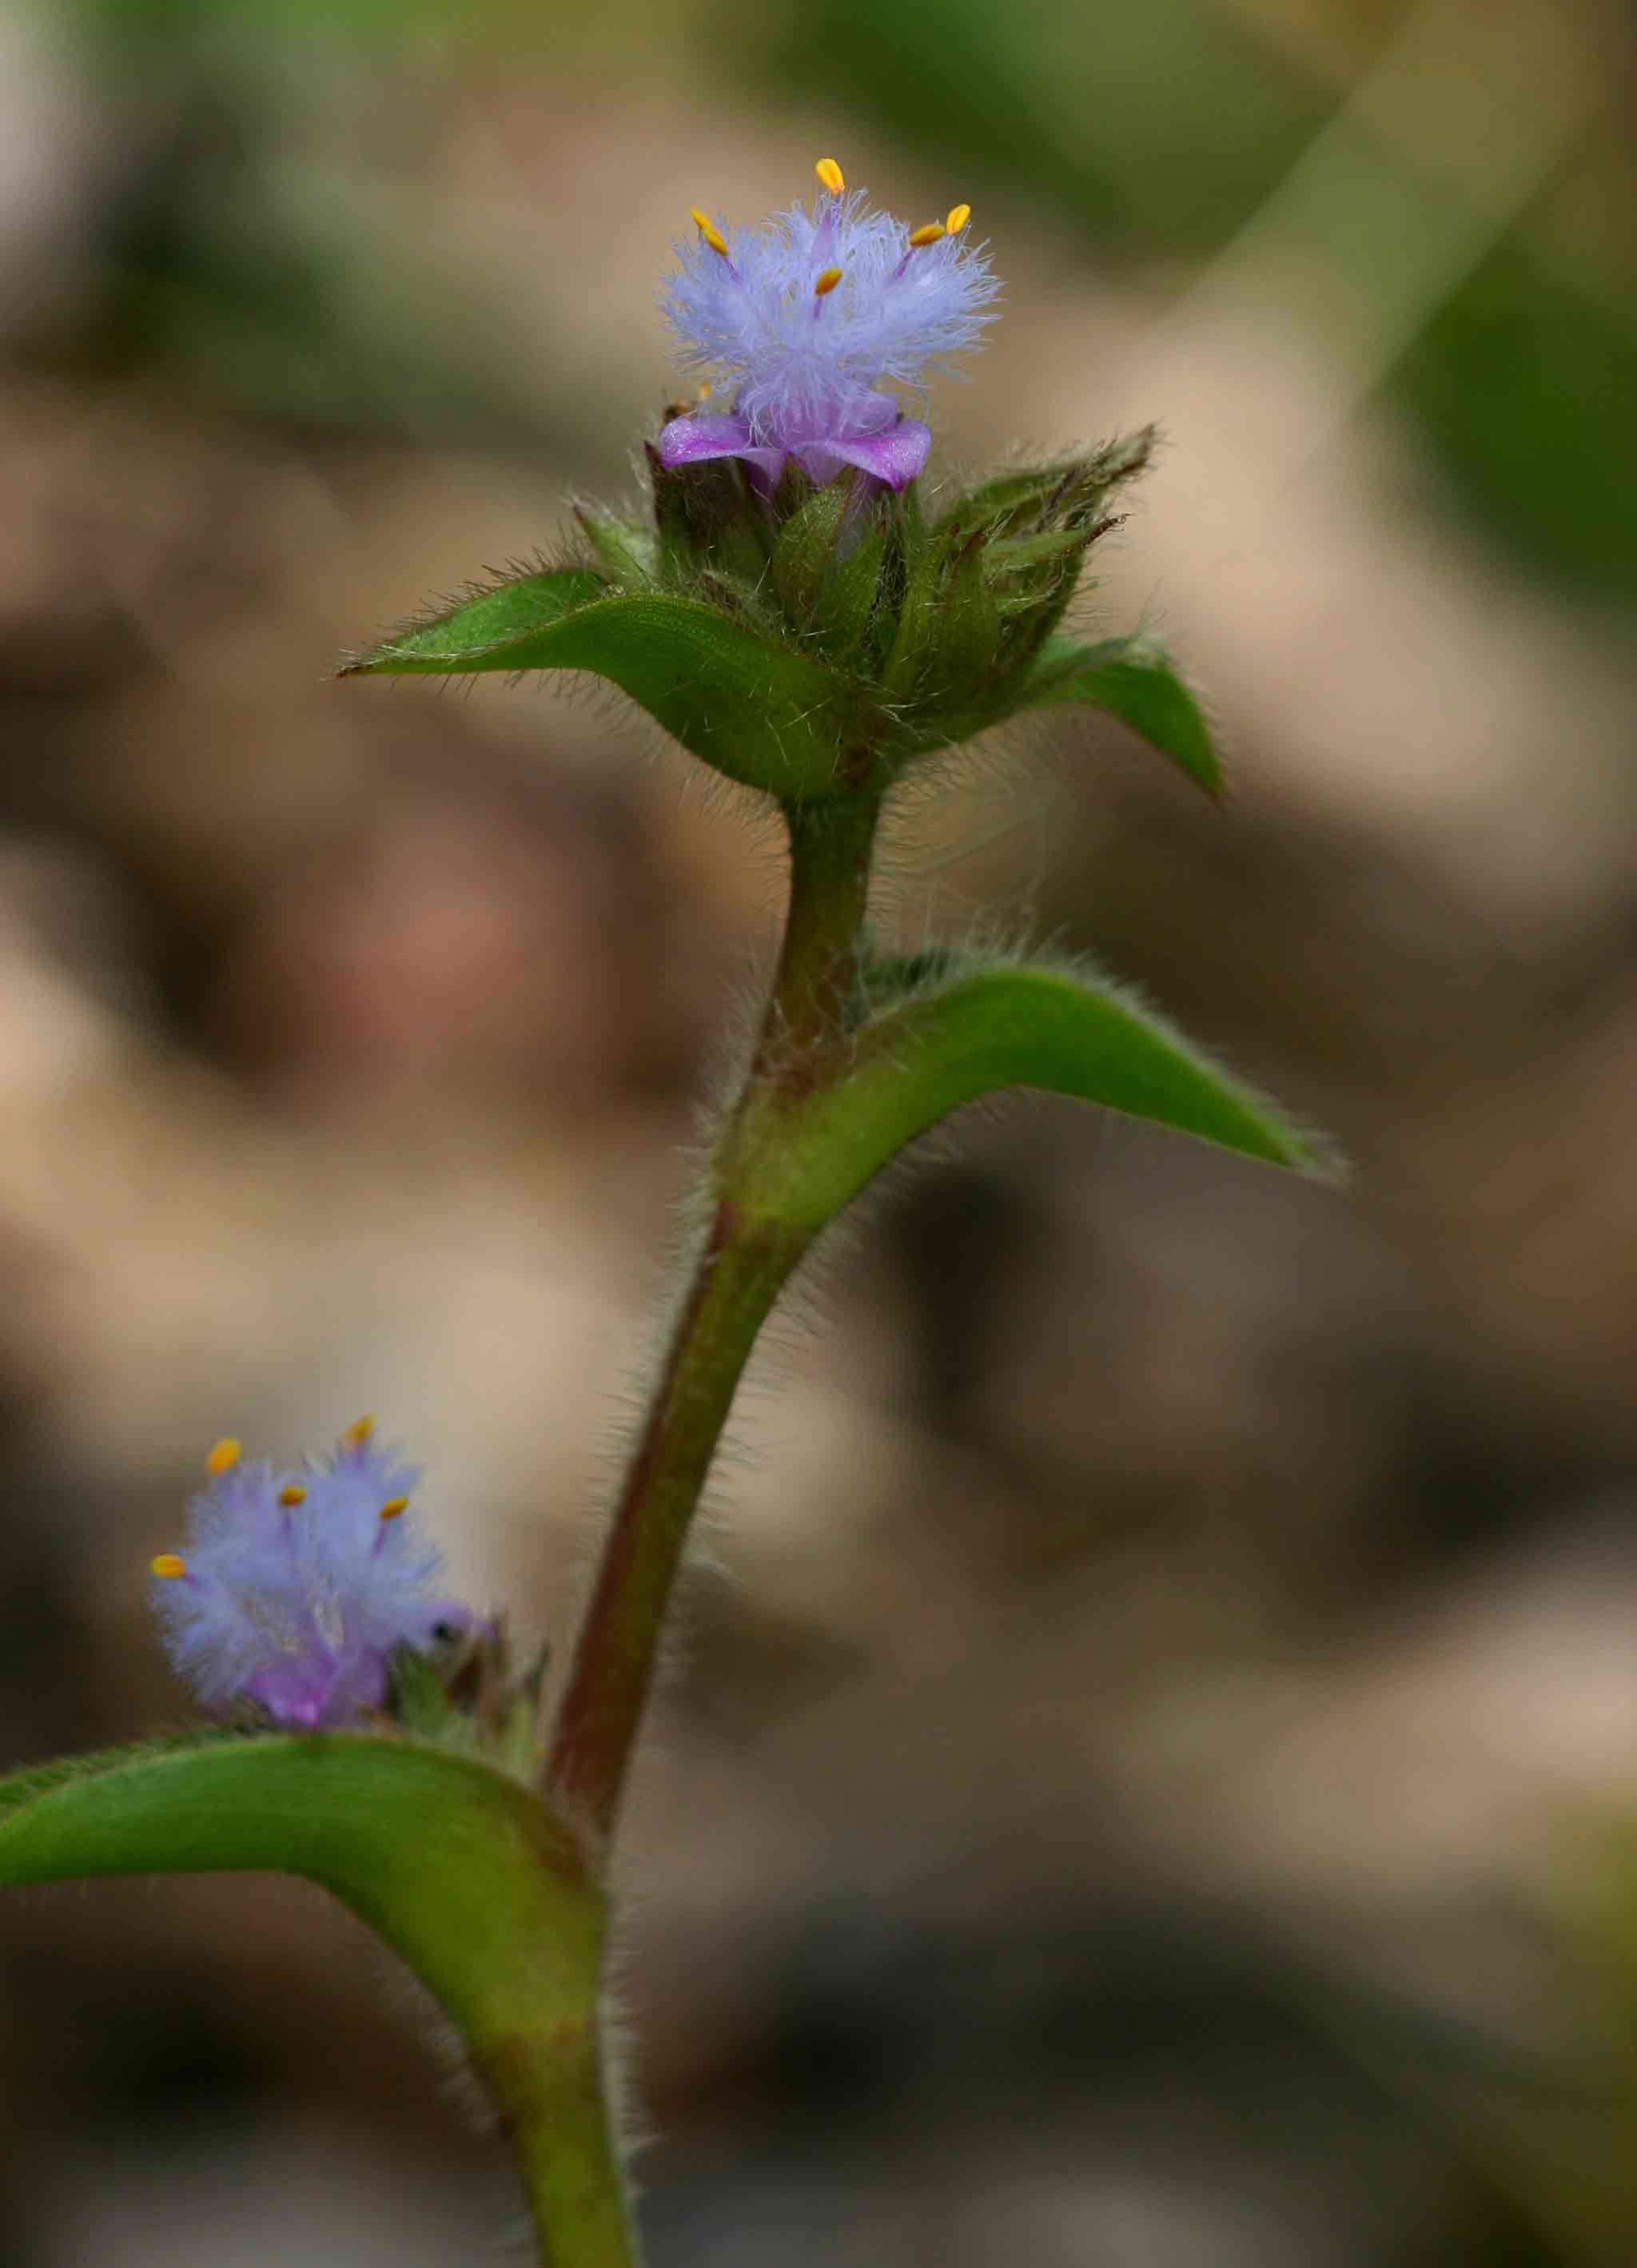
(1149, 1779)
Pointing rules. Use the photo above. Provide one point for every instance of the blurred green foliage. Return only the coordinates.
(1159, 130)
(1524, 386)
(1162, 126)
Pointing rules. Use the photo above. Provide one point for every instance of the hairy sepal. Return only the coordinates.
(827, 566)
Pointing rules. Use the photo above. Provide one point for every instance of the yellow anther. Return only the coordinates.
(709, 230)
(959, 216)
(930, 234)
(394, 1505)
(830, 176)
(705, 389)
(826, 281)
(170, 1566)
(222, 1458)
(293, 1495)
(358, 1434)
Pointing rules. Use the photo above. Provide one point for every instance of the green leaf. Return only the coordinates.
(999, 1026)
(476, 1885)
(1132, 679)
(757, 709)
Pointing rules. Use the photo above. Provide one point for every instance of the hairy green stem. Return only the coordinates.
(552, 2094)
(747, 1252)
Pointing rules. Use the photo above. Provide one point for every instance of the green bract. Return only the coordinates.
(817, 642)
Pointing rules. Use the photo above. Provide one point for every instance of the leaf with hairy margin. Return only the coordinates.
(976, 1030)
(756, 709)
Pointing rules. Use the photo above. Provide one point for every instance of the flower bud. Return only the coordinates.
(990, 583)
(708, 521)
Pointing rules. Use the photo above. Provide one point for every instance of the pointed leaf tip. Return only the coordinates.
(1134, 679)
(455, 639)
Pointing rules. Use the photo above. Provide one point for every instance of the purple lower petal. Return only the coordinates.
(684, 438)
(895, 457)
(690, 441)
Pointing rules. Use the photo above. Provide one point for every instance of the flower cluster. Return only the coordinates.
(805, 318)
(299, 1588)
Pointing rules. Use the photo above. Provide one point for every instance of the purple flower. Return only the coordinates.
(806, 317)
(297, 1588)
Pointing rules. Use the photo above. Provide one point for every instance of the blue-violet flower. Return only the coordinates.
(806, 317)
(298, 1588)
